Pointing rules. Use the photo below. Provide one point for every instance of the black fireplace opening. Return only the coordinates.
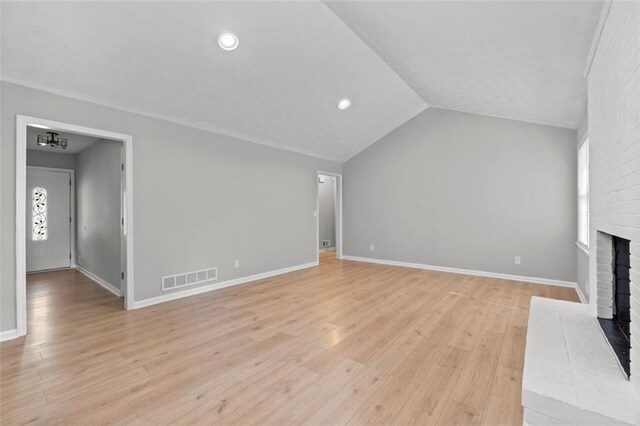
(617, 329)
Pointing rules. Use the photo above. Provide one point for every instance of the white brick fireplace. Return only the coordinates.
(614, 169)
(571, 375)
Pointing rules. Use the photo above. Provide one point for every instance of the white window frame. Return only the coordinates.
(583, 195)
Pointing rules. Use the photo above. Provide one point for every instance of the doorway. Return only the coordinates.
(329, 216)
(47, 232)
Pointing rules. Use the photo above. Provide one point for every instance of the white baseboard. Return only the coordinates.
(50, 270)
(113, 289)
(322, 250)
(216, 286)
(8, 334)
(581, 295)
(533, 280)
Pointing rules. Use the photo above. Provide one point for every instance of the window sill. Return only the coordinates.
(583, 247)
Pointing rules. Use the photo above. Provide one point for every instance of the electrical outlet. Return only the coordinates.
(517, 260)
(236, 263)
(315, 213)
(371, 247)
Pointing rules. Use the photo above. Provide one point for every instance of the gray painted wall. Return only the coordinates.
(327, 210)
(200, 199)
(51, 159)
(98, 210)
(466, 191)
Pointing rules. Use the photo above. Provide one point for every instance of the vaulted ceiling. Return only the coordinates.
(515, 59)
(296, 60)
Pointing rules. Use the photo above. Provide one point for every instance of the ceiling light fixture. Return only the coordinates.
(344, 103)
(228, 41)
(52, 140)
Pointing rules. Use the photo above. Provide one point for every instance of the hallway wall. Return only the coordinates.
(98, 211)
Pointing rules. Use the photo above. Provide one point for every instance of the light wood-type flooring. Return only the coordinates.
(341, 343)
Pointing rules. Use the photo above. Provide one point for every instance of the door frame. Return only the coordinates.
(72, 211)
(338, 213)
(22, 122)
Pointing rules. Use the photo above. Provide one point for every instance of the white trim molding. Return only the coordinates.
(107, 285)
(8, 335)
(324, 250)
(533, 280)
(216, 286)
(582, 247)
(170, 118)
(604, 14)
(581, 295)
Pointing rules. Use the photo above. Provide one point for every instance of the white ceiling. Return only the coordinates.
(521, 60)
(295, 61)
(75, 143)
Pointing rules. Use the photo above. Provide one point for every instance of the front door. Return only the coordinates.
(48, 219)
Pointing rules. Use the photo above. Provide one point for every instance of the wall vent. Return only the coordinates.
(187, 279)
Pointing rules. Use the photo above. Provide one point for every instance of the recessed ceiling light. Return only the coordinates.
(344, 103)
(228, 41)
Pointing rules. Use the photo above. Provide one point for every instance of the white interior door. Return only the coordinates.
(48, 219)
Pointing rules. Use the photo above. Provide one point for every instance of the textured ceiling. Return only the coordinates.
(295, 61)
(75, 143)
(521, 60)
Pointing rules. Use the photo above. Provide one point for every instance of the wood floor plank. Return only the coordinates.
(473, 386)
(343, 342)
(425, 404)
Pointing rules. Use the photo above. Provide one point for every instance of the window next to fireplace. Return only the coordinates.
(617, 328)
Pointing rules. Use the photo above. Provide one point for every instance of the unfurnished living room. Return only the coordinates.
(320, 212)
